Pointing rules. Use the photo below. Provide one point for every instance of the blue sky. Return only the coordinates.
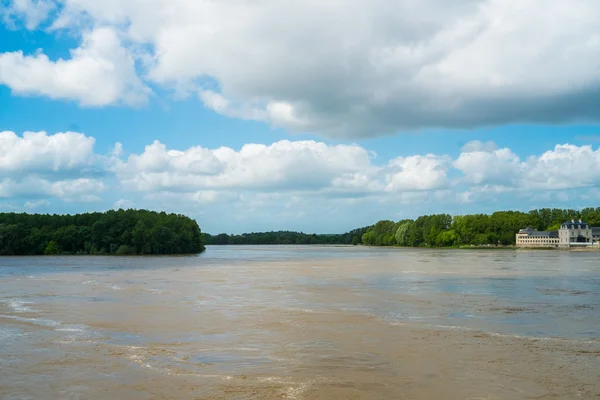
(224, 112)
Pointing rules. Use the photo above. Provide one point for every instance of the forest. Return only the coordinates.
(285, 237)
(133, 232)
(497, 229)
(439, 230)
(119, 232)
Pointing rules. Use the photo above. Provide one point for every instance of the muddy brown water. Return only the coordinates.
(278, 322)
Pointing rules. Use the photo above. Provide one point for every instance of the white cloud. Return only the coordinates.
(32, 12)
(43, 153)
(37, 204)
(484, 164)
(37, 165)
(82, 190)
(123, 204)
(289, 179)
(368, 69)
(219, 103)
(310, 168)
(566, 166)
(418, 173)
(500, 170)
(100, 72)
(477, 145)
(284, 165)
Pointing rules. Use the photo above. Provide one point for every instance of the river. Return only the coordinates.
(302, 322)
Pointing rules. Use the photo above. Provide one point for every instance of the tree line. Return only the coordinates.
(122, 232)
(126, 232)
(443, 230)
(286, 237)
(439, 230)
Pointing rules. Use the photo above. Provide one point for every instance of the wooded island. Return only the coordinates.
(119, 232)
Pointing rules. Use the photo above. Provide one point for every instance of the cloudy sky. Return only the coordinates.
(311, 115)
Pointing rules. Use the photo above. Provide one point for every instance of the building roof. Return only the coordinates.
(544, 233)
(575, 224)
(596, 230)
(527, 230)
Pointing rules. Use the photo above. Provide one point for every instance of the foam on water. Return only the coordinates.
(19, 306)
(73, 328)
(34, 321)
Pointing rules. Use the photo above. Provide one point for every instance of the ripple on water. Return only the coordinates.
(75, 333)
(7, 333)
(276, 316)
(18, 306)
(34, 321)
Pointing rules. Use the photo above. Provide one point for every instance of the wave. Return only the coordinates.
(34, 321)
(19, 306)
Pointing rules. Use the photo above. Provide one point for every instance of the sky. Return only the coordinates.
(316, 116)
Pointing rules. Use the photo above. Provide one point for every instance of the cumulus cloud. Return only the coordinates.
(39, 166)
(501, 170)
(485, 164)
(372, 68)
(310, 168)
(284, 165)
(43, 153)
(307, 167)
(37, 204)
(32, 12)
(566, 166)
(291, 178)
(477, 145)
(100, 72)
(418, 173)
(82, 190)
(123, 204)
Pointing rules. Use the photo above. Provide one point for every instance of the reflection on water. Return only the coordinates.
(262, 322)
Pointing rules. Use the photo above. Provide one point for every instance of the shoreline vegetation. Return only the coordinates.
(130, 232)
(143, 232)
(475, 231)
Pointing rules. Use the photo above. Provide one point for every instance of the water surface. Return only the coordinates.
(262, 322)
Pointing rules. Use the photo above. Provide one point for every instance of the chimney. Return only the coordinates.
(579, 220)
(572, 221)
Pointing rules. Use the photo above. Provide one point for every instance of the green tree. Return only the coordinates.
(112, 232)
(52, 249)
(447, 238)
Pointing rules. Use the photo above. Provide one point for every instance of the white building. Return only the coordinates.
(571, 234)
(578, 233)
(530, 237)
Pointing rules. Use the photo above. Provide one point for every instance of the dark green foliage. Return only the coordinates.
(52, 249)
(499, 228)
(113, 232)
(381, 234)
(285, 237)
